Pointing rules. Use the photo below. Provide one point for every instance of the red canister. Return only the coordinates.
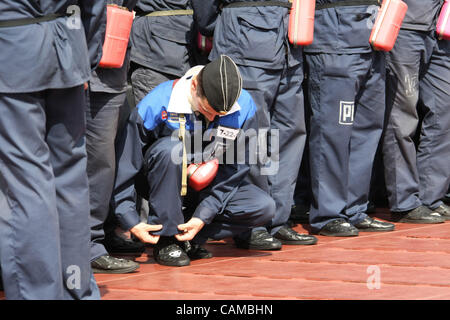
(301, 22)
(387, 25)
(201, 175)
(204, 44)
(443, 24)
(118, 27)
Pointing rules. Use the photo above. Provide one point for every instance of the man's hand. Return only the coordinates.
(141, 231)
(190, 229)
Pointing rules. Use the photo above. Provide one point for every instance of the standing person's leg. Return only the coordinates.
(333, 85)
(102, 116)
(366, 133)
(30, 251)
(433, 153)
(263, 86)
(288, 121)
(67, 145)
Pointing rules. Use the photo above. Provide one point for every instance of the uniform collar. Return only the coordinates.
(179, 102)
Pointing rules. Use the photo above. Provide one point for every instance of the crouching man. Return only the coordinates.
(162, 138)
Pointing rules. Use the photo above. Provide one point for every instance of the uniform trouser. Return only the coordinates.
(418, 85)
(346, 93)
(247, 207)
(279, 97)
(102, 116)
(44, 228)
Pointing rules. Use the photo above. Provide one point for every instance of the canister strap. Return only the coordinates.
(27, 21)
(165, 13)
(259, 4)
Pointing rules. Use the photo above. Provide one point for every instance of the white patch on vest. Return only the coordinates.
(227, 133)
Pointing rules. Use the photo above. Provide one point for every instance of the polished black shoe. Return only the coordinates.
(421, 215)
(108, 264)
(339, 228)
(300, 213)
(288, 236)
(170, 255)
(120, 246)
(372, 225)
(444, 211)
(259, 240)
(196, 251)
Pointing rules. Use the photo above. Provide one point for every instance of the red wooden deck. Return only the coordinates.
(412, 262)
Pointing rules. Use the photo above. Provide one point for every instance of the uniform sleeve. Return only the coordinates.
(130, 159)
(205, 15)
(93, 16)
(229, 176)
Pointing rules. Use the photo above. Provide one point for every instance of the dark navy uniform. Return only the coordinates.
(149, 158)
(346, 93)
(107, 96)
(418, 88)
(255, 37)
(161, 45)
(44, 227)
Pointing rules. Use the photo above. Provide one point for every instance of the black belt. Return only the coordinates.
(258, 4)
(348, 3)
(27, 21)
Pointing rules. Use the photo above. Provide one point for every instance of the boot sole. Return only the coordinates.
(420, 221)
(376, 230)
(259, 248)
(173, 264)
(117, 271)
(338, 234)
(299, 242)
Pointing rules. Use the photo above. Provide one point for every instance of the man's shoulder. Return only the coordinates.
(246, 102)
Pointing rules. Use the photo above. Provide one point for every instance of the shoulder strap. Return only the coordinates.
(181, 136)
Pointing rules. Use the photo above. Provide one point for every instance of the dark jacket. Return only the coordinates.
(422, 14)
(163, 43)
(113, 80)
(60, 53)
(342, 28)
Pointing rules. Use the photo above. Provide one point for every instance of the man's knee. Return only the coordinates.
(164, 151)
(265, 211)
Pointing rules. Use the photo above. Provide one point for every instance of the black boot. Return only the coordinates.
(421, 215)
(170, 252)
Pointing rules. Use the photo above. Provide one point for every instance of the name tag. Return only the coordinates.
(227, 133)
